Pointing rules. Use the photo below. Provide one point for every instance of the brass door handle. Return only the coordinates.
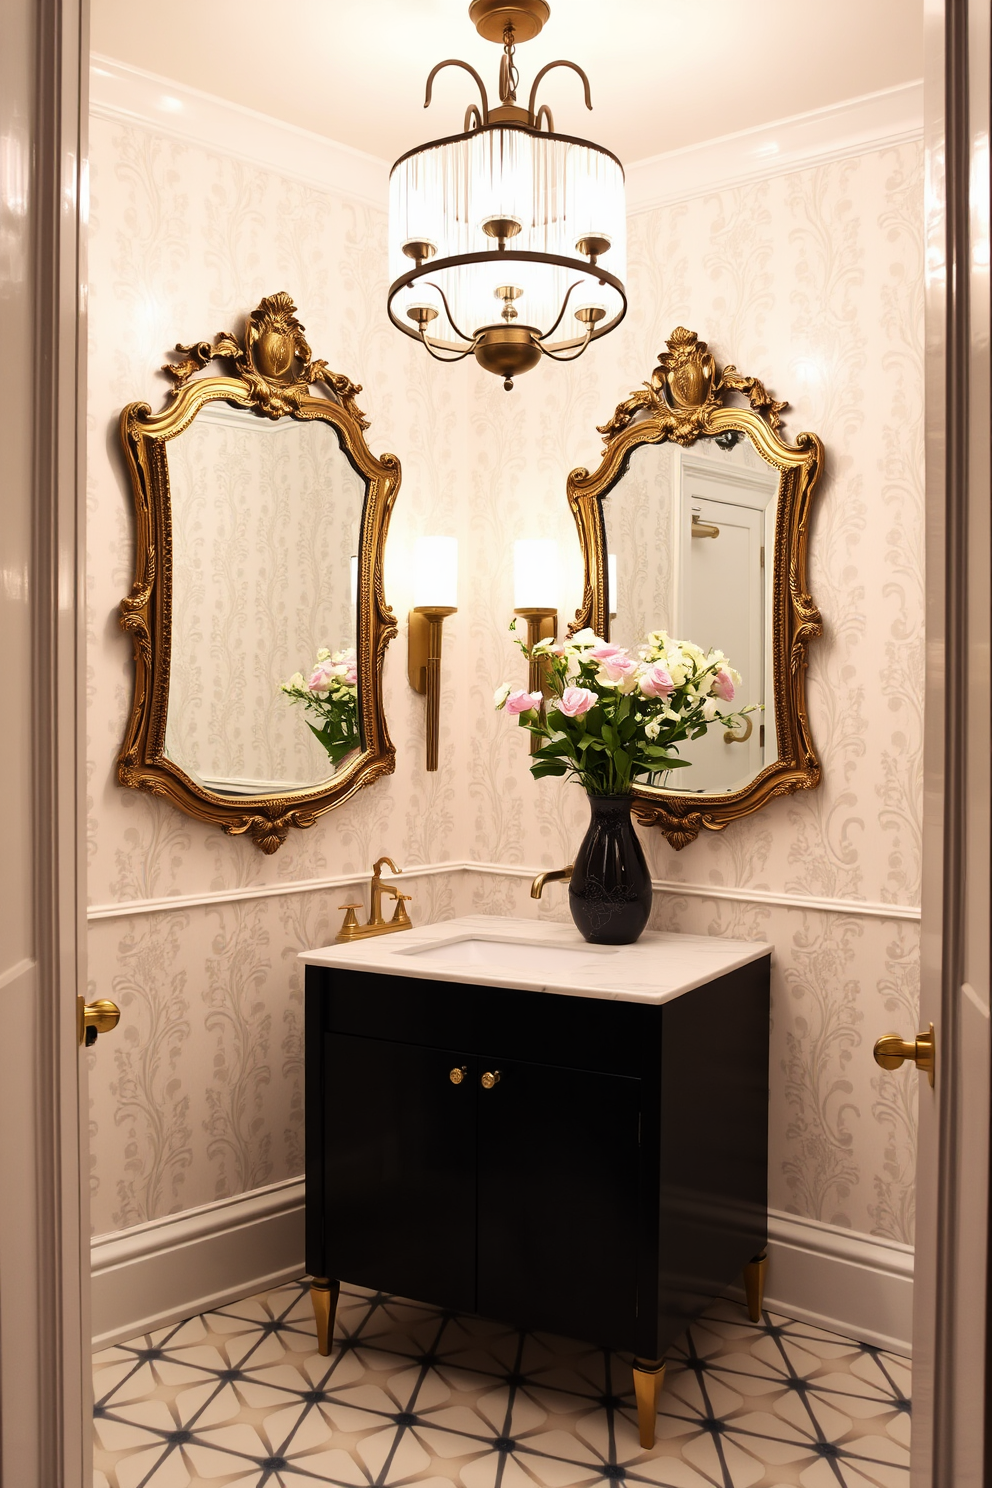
(95, 1017)
(489, 1079)
(730, 737)
(890, 1051)
(456, 1076)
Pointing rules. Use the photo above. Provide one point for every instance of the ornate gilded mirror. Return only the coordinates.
(696, 523)
(257, 613)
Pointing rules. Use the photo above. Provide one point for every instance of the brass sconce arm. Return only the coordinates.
(424, 666)
(542, 625)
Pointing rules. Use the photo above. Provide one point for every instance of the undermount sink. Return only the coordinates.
(516, 955)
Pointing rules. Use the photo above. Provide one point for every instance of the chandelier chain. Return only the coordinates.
(509, 77)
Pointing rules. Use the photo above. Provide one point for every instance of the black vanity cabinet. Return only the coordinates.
(577, 1165)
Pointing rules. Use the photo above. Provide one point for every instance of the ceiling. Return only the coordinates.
(665, 73)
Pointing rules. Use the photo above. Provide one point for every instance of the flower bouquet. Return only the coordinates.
(331, 693)
(612, 720)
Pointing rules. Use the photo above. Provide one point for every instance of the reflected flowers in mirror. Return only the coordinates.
(331, 694)
(610, 718)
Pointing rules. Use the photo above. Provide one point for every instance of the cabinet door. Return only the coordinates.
(558, 1200)
(400, 1169)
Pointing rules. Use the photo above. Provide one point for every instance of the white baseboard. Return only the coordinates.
(854, 1284)
(158, 1273)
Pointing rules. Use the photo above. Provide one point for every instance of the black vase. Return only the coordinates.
(609, 892)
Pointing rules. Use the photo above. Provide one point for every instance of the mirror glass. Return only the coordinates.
(688, 533)
(266, 516)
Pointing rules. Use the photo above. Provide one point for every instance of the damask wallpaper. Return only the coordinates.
(811, 281)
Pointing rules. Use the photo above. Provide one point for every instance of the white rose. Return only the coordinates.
(677, 673)
(710, 710)
(653, 729)
(323, 654)
(501, 694)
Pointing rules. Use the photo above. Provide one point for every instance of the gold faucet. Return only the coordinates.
(553, 875)
(376, 925)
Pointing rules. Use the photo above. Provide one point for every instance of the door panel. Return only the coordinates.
(724, 604)
(400, 1169)
(558, 1210)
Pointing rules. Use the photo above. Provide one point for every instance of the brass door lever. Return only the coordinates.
(890, 1051)
(95, 1017)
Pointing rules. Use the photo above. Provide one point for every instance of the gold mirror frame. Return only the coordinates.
(274, 377)
(685, 399)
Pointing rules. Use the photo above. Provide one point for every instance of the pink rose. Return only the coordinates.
(607, 652)
(656, 682)
(320, 680)
(616, 668)
(523, 702)
(351, 675)
(575, 701)
(723, 685)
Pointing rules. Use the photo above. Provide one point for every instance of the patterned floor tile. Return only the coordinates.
(240, 1398)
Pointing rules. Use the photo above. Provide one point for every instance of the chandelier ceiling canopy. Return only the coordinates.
(508, 240)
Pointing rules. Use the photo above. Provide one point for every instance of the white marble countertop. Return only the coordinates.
(544, 956)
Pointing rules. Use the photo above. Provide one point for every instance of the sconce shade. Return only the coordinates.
(535, 574)
(435, 572)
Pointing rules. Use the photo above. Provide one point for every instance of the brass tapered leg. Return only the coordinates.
(754, 1286)
(324, 1296)
(648, 1380)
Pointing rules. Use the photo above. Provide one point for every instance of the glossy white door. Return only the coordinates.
(44, 1374)
(950, 1384)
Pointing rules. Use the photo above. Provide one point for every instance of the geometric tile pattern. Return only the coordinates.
(240, 1398)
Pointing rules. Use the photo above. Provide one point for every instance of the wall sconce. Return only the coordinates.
(435, 590)
(611, 583)
(535, 582)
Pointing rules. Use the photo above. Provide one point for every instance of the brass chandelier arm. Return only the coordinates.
(454, 62)
(544, 113)
(548, 67)
(561, 314)
(556, 356)
(451, 319)
(458, 357)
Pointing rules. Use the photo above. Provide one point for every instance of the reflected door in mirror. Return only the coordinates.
(727, 530)
(689, 531)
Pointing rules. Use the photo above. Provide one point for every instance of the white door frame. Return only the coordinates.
(952, 1250)
(44, 1342)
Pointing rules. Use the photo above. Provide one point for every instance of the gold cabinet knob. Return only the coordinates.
(456, 1076)
(890, 1051)
(96, 1017)
(489, 1079)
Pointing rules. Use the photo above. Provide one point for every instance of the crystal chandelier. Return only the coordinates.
(507, 241)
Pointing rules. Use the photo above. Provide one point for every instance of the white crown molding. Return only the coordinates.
(130, 95)
(855, 127)
(160, 1272)
(169, 904)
